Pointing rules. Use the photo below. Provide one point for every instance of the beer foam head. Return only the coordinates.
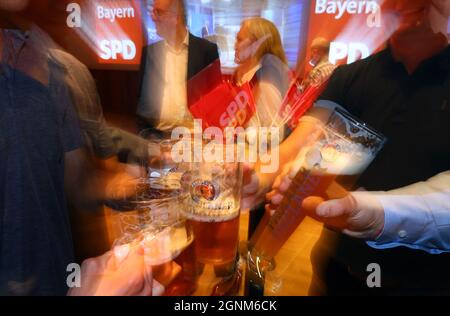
(223, 209)
(348, 163)
(333, 160)
(165, 245)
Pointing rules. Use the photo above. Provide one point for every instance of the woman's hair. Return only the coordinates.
(267, 32)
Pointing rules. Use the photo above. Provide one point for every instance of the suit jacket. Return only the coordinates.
(201, 53)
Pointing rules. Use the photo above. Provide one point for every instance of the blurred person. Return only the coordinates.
(104, 145)
(102, 140)
(262, 62)
(166, 67)
(40, 138)
(403, 93)
(322, 68)
(42, 158)
(105, 142)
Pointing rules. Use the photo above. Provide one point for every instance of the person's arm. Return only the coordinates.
(132, 148)
(417, 216)
(103, 140)
(258, 184)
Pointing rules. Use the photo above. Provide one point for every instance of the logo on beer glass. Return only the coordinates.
(206, 190)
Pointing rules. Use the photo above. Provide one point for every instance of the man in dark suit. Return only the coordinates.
(166, 68)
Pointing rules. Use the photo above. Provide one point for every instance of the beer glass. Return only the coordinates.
(329, 165)
(156, 224)
(212, 208)
(146, 213)
(212, 191)
(167, 250)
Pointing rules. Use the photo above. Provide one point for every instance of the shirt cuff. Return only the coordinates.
(407, 222)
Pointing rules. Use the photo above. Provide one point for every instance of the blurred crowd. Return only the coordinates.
(60, 159)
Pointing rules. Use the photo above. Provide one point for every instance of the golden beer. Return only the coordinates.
(327, 167)
(215, 242)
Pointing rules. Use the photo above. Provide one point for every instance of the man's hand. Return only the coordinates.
(113, 275)
(359, 214)
(121, 184)
(279, 188)
(255, 186)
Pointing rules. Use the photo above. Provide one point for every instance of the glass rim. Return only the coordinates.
(127, 205)
(357, 122)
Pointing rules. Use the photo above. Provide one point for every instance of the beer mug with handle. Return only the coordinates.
(212, 190)
(167, 244)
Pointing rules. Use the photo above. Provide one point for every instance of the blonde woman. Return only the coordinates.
(262, 63)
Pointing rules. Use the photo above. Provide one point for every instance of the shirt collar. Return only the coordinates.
(31, 47)
(184, 46)
(248, 76)
(438, 63)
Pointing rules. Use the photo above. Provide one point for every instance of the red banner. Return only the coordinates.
(355, 28)
(297, 103)
(119, 36)
(217, 102)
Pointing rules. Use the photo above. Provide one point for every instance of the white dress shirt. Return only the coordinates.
(174, 110)
(417, 216)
